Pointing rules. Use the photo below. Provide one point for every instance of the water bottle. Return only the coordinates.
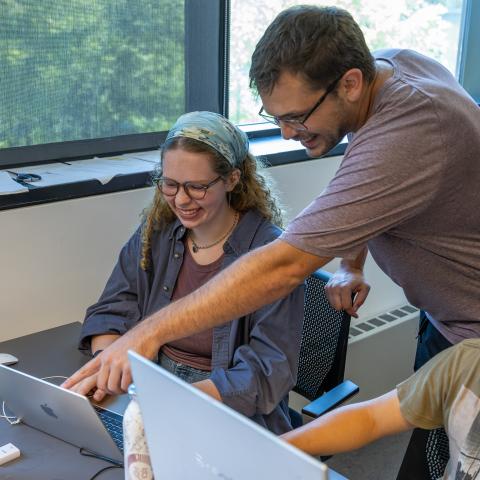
(136, 456)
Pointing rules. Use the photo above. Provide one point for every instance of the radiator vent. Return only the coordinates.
(380, 322)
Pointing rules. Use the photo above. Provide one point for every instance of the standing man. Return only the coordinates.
(407, 189)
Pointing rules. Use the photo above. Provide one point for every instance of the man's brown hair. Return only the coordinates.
(319, 43)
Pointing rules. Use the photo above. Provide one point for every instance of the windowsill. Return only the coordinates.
(276, 151)
(265, 144)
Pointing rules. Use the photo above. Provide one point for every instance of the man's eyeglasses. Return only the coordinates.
(196, 191)
(298, 122)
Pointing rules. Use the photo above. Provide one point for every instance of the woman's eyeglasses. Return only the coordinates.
(196, 191)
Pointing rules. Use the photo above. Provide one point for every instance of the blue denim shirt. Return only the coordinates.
(254, 358)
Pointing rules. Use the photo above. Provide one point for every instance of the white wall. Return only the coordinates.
(56, 257)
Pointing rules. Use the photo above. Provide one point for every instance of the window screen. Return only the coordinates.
(87, 69)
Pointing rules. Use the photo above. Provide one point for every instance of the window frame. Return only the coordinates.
(206, 88)
(469, 67)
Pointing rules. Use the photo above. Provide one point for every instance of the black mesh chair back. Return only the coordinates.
(426, 456)
(438, 453)
(324, 341)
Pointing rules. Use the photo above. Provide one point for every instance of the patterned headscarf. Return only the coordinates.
(214, 130)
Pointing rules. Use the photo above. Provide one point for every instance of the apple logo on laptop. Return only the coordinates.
(48, 410)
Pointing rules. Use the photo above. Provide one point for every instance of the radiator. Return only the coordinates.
(381, 350)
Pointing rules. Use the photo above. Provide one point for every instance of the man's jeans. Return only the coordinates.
(185, 372)
(430, 342)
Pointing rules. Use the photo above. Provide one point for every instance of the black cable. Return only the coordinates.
(88, 453)
(103, 470)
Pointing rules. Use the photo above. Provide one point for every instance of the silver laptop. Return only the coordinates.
(192, 436)
(62, 413)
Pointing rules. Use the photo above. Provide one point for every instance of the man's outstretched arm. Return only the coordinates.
(256, 279)
(350, 427)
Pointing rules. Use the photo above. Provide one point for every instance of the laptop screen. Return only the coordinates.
(191, 435)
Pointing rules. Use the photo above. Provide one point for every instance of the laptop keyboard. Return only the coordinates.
(113, 423)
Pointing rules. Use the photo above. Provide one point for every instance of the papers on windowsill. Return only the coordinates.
(101, 169)
(9, 186)
(152, 156)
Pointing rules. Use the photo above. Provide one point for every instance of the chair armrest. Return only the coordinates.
(331, 399)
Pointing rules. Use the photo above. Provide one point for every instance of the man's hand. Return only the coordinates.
(110, 371)
(87, 387)
(345, 284)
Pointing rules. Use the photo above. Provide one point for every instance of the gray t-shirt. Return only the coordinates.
(409, 187)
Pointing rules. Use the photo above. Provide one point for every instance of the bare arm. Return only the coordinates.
(350, 427)
(101, 342)
(347, 282)
(258, 278)
(358, 263)
(208, 387)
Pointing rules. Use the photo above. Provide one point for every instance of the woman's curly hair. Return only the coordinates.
(251, 192)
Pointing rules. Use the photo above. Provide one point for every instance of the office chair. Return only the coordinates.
(438, 452)
(322, 353)
(426, 456)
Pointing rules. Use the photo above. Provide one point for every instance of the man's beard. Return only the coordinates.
(329, 140)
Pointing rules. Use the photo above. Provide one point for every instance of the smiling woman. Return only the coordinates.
(211, 207)
(200, 204)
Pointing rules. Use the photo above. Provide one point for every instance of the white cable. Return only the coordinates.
(8, 417)
(17, 420)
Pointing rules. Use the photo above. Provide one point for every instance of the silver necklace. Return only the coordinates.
(196, 247)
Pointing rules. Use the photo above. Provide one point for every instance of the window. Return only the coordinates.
(81, 78)
(86, 77)
(469, 67)
(432, 27)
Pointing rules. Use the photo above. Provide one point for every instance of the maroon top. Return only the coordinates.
(195, 350)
